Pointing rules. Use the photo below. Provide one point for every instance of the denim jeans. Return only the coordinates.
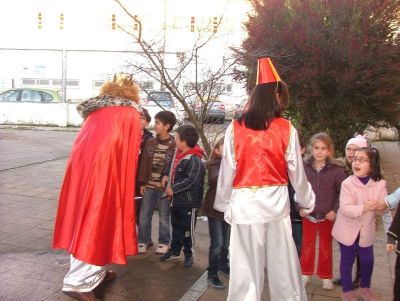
(220, 233)
(151, 200)
(297, 233)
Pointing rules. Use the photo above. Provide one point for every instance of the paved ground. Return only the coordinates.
(32, 164)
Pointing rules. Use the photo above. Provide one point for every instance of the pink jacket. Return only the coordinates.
(350, 220)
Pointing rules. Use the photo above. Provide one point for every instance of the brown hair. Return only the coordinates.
(218, 142)
(146, 114)
(166, 117)
(374, 162)
(325, 139)
(264, 105)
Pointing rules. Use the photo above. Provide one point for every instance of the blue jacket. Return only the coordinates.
(188, 182)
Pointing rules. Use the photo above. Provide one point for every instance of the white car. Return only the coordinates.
(156, 101)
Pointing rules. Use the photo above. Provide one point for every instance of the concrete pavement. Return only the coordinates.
(32, 166)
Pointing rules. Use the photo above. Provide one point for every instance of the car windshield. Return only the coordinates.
(163, 99)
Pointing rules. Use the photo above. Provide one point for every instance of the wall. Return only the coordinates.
(56, 114)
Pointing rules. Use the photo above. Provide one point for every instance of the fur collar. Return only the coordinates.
(92, 104)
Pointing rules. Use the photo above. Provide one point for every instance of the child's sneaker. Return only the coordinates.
(348, 296)
(365, 292)
(169, 255)
(142, 249)
(306, 279)
(188, 261)
(215, 282)
(327, 284)
(225, 270)
(162, 249)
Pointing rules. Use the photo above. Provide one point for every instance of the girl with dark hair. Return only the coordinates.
(354, 228)
(261, 153)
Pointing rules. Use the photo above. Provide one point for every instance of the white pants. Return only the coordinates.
(83, 277)
(256, 247)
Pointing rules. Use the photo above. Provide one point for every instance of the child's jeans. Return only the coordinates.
(151, 200)
(297, 233)
(183, 223)
(347, 257)
(220, 232)
(307, 260)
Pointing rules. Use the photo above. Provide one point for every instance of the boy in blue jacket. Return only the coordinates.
(185, 190)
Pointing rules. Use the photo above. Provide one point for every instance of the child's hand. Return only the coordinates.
(390, 247)
(142, 190)
(370, 205)
(303, 212)
(164, 181)
(169, 192)
(330, 216)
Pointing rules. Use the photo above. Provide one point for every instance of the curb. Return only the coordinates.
(197, 289)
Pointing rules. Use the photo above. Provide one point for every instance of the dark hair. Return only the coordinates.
(146, 115)
(301, 140)
(374, 161)
(189, 134)
(166, 117)
(264, 105)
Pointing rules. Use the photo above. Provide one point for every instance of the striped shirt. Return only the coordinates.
(158, 164)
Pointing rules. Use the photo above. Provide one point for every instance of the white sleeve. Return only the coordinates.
(304, 196)
(227, 173)
(387, 220)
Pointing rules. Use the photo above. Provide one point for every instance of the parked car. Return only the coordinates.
(156, 101)
(30, 95)
(216, 112)
(239, 109)
(159, 98)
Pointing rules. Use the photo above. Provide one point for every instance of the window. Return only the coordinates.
(46, 97)
(42, 82)
(72, 83)
(98, 83)
(57, 82)
(228, 88)
(28, 82)
(31, 96)
(9, 96)
(146, 85)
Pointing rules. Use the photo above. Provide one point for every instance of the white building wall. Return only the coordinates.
(87, 26)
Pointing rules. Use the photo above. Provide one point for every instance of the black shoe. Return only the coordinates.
(225, 270)
(169, 255)
(215, 282)
(356, 282)
(188, 261)
(337, 281)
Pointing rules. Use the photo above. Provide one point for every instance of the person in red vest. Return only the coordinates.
(95, 221)
(261, 154)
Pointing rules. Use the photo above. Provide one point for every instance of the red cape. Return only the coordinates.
(95, 219)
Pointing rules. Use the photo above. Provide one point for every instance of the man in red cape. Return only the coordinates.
(96, 220)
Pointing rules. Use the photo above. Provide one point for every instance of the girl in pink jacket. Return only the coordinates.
(354, 228)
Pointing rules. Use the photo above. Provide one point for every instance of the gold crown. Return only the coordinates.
(123, 80)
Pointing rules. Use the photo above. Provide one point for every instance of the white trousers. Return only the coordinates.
(254, 248)
(83, 277)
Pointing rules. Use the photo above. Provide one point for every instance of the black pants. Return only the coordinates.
(396, 292)
(183, 223)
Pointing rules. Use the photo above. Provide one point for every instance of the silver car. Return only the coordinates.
(216, 112)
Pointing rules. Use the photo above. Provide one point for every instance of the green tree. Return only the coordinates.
(340, 58)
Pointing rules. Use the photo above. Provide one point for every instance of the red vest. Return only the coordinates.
(260, 155)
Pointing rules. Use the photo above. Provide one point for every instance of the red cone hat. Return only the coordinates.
(266, 72)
